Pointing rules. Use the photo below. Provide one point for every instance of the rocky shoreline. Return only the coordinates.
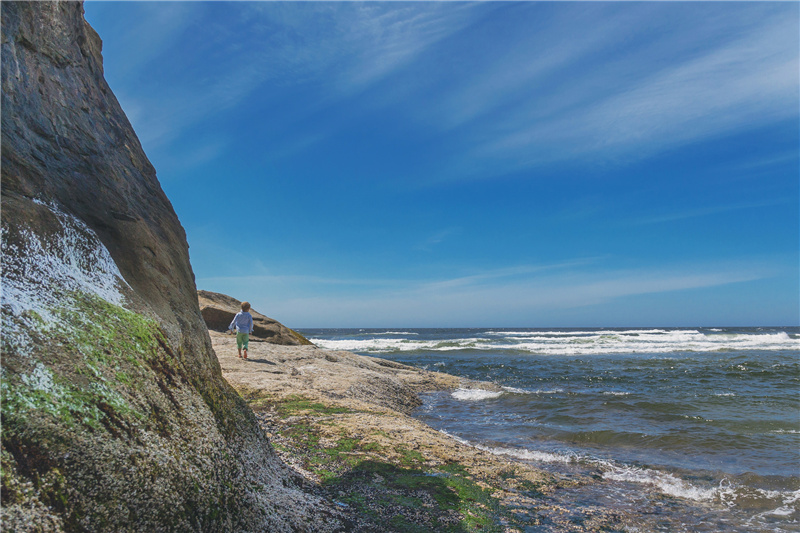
(342, 422)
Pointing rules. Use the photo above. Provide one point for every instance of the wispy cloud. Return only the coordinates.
(469, 302)
(341, 46)
(633, 107)
(649, 78)
(490, 297)
(711, 210)
(501, 276)
(438, 237)
(382, 40)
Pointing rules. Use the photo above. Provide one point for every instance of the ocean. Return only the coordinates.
(691, 429)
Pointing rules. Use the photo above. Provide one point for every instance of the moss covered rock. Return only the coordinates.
(115, 413)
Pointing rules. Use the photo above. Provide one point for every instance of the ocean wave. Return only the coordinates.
(571, 343)
(475, 394)
(576, 333)
(396, 345)
(530, 455)
(515, 390)
(727, 492)
(665, 482)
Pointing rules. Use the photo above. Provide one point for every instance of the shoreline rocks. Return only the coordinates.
(343, 422)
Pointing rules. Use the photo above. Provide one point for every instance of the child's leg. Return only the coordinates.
(239, 342)
(245, 342)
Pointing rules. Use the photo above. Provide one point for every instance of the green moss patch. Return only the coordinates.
(394, 488)
(418, 499)
(88, 374)
(298, 405)
(104, 351)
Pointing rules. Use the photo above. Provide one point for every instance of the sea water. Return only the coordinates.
(692, 429)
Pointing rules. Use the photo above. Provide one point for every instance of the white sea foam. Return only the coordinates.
(788, 505)
(663, 481)
(475, 394)
(455, 437)
(531, 455)
(726, 492)
(515, 390)
(400, 345)
(517, 453)
(560, 343)
(545, 334)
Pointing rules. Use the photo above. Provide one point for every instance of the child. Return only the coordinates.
(243, 323)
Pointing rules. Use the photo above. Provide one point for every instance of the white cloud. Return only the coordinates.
(740, 83)
(274, 48)
(569, 87)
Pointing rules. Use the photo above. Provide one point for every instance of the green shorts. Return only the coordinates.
(242, 340)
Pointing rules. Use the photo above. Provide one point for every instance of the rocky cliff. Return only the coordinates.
(115, 413)
(218, 311)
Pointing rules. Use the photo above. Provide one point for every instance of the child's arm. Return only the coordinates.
(233, 322)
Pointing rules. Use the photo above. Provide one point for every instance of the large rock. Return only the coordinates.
(218, 311)
(115, 413)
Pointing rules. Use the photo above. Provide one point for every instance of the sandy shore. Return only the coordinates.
(342, 421)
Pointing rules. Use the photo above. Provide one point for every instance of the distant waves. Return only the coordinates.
(561, 342)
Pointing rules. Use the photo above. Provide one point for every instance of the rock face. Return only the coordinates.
(115, 413)
(218, 311)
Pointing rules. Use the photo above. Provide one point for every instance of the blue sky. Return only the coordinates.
(422, 164)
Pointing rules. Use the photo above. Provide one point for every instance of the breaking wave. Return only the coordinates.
(475, 394)
(542, 342)
(728, 492)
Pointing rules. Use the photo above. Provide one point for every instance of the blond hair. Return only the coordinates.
(245, 306)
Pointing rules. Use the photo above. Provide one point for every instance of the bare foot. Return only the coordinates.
(245, 354)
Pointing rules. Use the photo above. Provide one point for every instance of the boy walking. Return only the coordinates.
(243, 324)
